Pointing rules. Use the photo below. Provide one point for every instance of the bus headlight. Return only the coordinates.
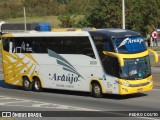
(124, 89)
(123, 83)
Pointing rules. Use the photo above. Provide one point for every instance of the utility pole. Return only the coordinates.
(123, 14)
(25, 27)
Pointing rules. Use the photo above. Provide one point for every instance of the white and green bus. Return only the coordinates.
(113, 61)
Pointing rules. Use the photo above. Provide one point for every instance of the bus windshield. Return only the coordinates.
(136, 68)
(129, 44)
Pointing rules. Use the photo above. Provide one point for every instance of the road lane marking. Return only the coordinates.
(4, 103)
(39, 104)
(4, 98)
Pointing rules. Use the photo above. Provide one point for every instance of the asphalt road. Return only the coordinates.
(155, 70)
(13, 98)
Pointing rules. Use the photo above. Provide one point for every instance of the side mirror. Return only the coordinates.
(112, 54)
(155, 54)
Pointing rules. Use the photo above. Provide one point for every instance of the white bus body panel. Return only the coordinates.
(53, 75)
(68, 71)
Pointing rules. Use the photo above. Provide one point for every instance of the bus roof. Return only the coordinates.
(47, 34)
(115, 32)
(109, 32)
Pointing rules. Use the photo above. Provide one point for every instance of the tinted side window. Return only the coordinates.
(102, 44)
(111, 66)
(8, 44)
(69, 45)
(61, 45)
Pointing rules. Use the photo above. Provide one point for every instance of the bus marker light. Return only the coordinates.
(124, 89)
(139, 89)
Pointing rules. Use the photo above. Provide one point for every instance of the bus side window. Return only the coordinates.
(9, 45)
(74, 45)
(36, 46)
(23, 45)
(111, 66)
(60, 45)
(99, 42)
(85, 47)
(107, 46)
(6, 44)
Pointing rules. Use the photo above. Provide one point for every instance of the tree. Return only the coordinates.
(67, 21)
(105, 14)
(63, 1)
(142, 15)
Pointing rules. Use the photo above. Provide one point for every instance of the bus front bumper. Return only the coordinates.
(135, 88)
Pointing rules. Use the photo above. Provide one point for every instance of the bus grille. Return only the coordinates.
(139, 85)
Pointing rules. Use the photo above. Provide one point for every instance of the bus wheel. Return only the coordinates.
(37, 85)
(96, 90)
(26, 84)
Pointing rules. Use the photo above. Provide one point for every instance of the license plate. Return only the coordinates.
(139, 89)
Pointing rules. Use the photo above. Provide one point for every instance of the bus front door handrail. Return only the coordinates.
(120, 59)
(155, 54)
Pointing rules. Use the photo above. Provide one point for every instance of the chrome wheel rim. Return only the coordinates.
(26, 83)
(37, 85)
(97, 89)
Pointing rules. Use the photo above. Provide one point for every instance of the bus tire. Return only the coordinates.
(96, 90)
(26, 84)
(37, 87)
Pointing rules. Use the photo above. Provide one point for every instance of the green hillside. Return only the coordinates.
(55, 22)
(141, 16)
(10, 1)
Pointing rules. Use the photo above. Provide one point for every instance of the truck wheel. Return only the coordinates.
(26, 84)
(37, 85)
(96, 90)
